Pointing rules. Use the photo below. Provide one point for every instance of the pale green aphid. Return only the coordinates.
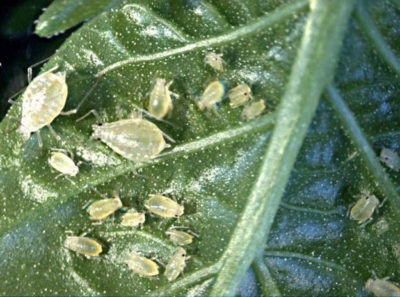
(163, 206)
(63, 164)
(239, 95)
(134, 139)
(42, 101)
(253, 110)
(215, 60)
(176, 264)
(382, 287)
(213, 94)
(103, 208)
(390, 158)
(83, 245)
(142, 266)
(160, 102)
(179, 237)
(364, 208)
(132, 218)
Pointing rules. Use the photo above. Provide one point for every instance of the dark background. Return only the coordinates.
(20, 47)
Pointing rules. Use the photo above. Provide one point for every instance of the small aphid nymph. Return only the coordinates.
(142, 266)
(364, 208)
(390, 158)
(160, 102)
(382, 287)
(253, 110)
(179, 237)
(134, 139)
(163, 206)
(176, 264)
(239, 95)
(132, 218)
(62, 163)
(42, 101)
(102, 209)
(83, 245)
(212, 95)
(215, 60)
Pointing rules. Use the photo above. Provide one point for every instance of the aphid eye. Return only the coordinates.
(100, 124)
(183, 255)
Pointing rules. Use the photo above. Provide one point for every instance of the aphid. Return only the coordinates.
(253, 110)
(134, 139)
(179, 237)
(163, 206)
(133, 218)
(62, 163)
(83, 245)
(390, 158)
(42, 101)
(176, 264)
(142, 266)
(239, 95)
(212, 95)
(382, 287)
(364, 208)
(215, 60)
(103, 208)
(160, 102)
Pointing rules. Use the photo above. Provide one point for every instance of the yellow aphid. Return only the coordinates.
(83, 245)
(364, 208)
(163, 206)
(62, 163)
(253, 110)
(103, 208)
(42, 101)
(390, 158)
(382, 287)
(215, 60)
(142, 266)
(134, 139)
(239, 95)
(133, 218)
(160, 102)
(176, 264)
(179, 237)
(212, 95)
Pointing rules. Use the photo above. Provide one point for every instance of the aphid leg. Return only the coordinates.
(15, 95)
(383, 202)
(365, 223)
(87, 204)
(29, 70)
(40, 140)
(93, 112)
(171, 93)
(141, 110)
(76, 109)
(53, 132)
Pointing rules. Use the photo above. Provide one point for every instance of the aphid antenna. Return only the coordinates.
(187, 229)
(76, 109)
(153, 117)
(29, 70)
(53, 132)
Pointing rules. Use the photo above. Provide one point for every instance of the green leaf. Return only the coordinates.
(282, 51)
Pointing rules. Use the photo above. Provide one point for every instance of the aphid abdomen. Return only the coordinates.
(253, 110)
(142, 266)
(133, 218)
(64, 164)
(83, 245)
(164, 206)
(212, 95)
(103, 208)
(42, 102)
(239, 95)
(160, 102)
(179, 237)
(134, 139)
(382, 288)
(176, 264)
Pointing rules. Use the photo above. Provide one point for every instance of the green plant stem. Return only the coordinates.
(368, 155)
(268, 285)
(312, 71)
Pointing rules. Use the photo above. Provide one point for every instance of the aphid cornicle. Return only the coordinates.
(132, 218)
(213, 94)
(103, 208)
(239, 95)
(176, 264)
(134, 139)
(253, 110)
(160, 102)
(163, 206)
(142, 266)
(364, 208)
(390, 158)
(382, 287)
(62, 163)
(179, 237)
(42, 101)
(83, 245)
(215, 60)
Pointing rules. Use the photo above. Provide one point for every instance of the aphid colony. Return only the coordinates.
(159, 205)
